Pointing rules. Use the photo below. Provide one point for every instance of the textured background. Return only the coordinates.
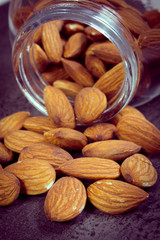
(25, 219)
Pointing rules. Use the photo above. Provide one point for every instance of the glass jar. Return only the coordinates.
(119, 23)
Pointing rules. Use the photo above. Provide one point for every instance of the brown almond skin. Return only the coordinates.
(66, 138)
(9, 188)
(125, 111)
(12, 122)
(149, 43)
(38, 58)
(71, 89)
(52, 42)
(111, 81)
(152, 17)
(6, 155)
(95, 66)
(59, 109)
(38, 35)
(71, 28)
(46, 152)
(36, 176)
(59, 24)
(75, 45)
(114, 196)
(89, 105)
(90, 168)
(133, 20)
(138, 170)
(65, 200)
(111, 149)
(78, 72)
(89, 50)
(52, 73)
(18, 139)
(38, 124)
(93, 34)
(141, 132)
(100, 131)
(107, 52)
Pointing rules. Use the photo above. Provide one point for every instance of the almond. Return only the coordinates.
(65, 200)
(128, 110)
(75, 45)
(93, 34)
(21, 14)
(111, 82)
(47, 152)
(111, 149)
(149, 43)
(66, 138)
(38, 58)
(95, 66)
(107, 52)
(91, 168)
(73, 27)
(89, 104)
(38, 35)
(69, 88)
(38, 124)
(89, 50)
(59, 24)
(53, 73)
(60, 110)
(114, 196)
(9, 188)
(141, 132)
(133, 20)
(127, 6)
(18, 139)
(12, 122)
(152, 17)
(100, 131)
(78, 72)
(52, 42)
(138, 170)
(6, 155)
(36, 176)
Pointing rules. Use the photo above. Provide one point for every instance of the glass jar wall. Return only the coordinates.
(113, 32)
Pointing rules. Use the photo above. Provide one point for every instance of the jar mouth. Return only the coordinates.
(103, 19)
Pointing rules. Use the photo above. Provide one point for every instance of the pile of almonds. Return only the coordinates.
(77, 62)
(112, 169)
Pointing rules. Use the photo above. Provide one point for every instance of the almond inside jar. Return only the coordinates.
(76, 56)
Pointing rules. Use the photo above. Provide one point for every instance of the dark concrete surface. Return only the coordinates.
(25, 219)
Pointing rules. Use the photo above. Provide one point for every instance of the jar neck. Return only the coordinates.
(101, 17)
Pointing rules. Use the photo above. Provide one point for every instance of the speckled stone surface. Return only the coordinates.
(25, 219)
